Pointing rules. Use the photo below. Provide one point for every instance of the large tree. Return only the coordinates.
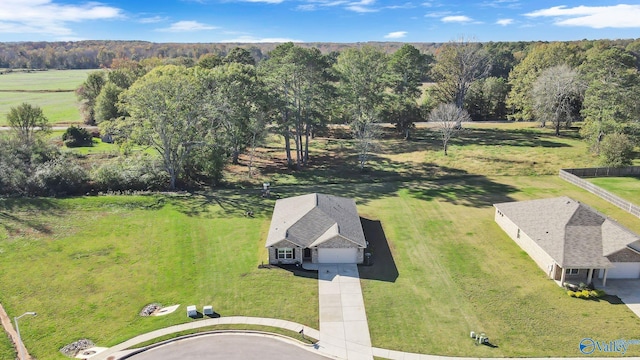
(611, 100)
(459, 63)
(523, 76)
(407, 68)
(88, 93)
(487, 97)
(25, 119)
(363, 79)
(298, 81)
(167, 112)
(557, 96)
(236, 99)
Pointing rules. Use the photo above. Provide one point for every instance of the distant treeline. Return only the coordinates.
(92, 54)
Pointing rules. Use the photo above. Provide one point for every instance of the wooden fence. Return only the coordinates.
(575, 176)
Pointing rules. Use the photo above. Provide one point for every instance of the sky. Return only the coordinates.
(208, 21)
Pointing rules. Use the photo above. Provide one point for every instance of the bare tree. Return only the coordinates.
(557, 96)
(449, 118)
(459, 63)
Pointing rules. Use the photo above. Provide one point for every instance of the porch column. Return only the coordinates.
(590, 276)
(604, 278)
(562, 277)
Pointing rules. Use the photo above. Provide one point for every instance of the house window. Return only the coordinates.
(571, 271)
(286, 253)
(518, 236)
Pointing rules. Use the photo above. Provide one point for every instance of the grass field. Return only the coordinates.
(93, 263)
(89, 265)
(442, 267)
(625, 187)
(53, 91)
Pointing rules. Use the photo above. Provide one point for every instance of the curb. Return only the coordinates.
(280, 337)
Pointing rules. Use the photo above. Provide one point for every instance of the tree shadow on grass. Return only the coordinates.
(520, 138)
(382, 265)
(429, 139)
(476, 191)
(233, 203)
(37, 206)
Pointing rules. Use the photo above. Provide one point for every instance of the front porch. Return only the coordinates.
(575, 276)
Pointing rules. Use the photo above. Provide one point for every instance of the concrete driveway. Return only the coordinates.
(627, 290)
(344, 331)
(229, 347)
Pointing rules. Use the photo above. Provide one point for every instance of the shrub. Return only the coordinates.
(60, 176)
(616, 150)
(131, 173)
(571, 293)
(77, 137)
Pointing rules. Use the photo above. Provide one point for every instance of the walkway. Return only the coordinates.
(344, 331)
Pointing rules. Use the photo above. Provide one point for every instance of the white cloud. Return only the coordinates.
(437, 14)
(396, 35)
(187, 26)
(456, 19)
(598, 17)
(504, 22)
(361, 6)
(49, 16)
(264, 1)
(509, 4)
(153, 19)
(251, 39)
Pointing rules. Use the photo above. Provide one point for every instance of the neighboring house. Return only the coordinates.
(315, 228)
(570, 241)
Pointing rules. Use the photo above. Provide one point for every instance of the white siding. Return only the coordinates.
(534, 251)
(624, 271)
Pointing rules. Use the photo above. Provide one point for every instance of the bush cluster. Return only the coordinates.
(131, 173)
(586, 294)
(76, 137)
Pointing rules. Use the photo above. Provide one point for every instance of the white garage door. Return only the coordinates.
(337, 256)
(624, 271)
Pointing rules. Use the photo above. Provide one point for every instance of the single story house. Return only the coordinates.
(570, 241)
(315, 228)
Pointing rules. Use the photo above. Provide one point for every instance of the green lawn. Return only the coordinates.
(89, 264)
(459, 272)
(53, 91)
(626, 187)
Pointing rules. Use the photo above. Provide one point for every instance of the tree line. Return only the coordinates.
(200, 115)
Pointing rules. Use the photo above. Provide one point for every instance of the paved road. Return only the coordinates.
(229, 347)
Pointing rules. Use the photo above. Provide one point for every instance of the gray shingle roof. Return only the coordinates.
(313, 219)
(573, 234)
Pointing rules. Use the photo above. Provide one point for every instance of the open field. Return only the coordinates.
(89, 264)
(625, 187)
(483, 148)
(104, 258)
(53, 91)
